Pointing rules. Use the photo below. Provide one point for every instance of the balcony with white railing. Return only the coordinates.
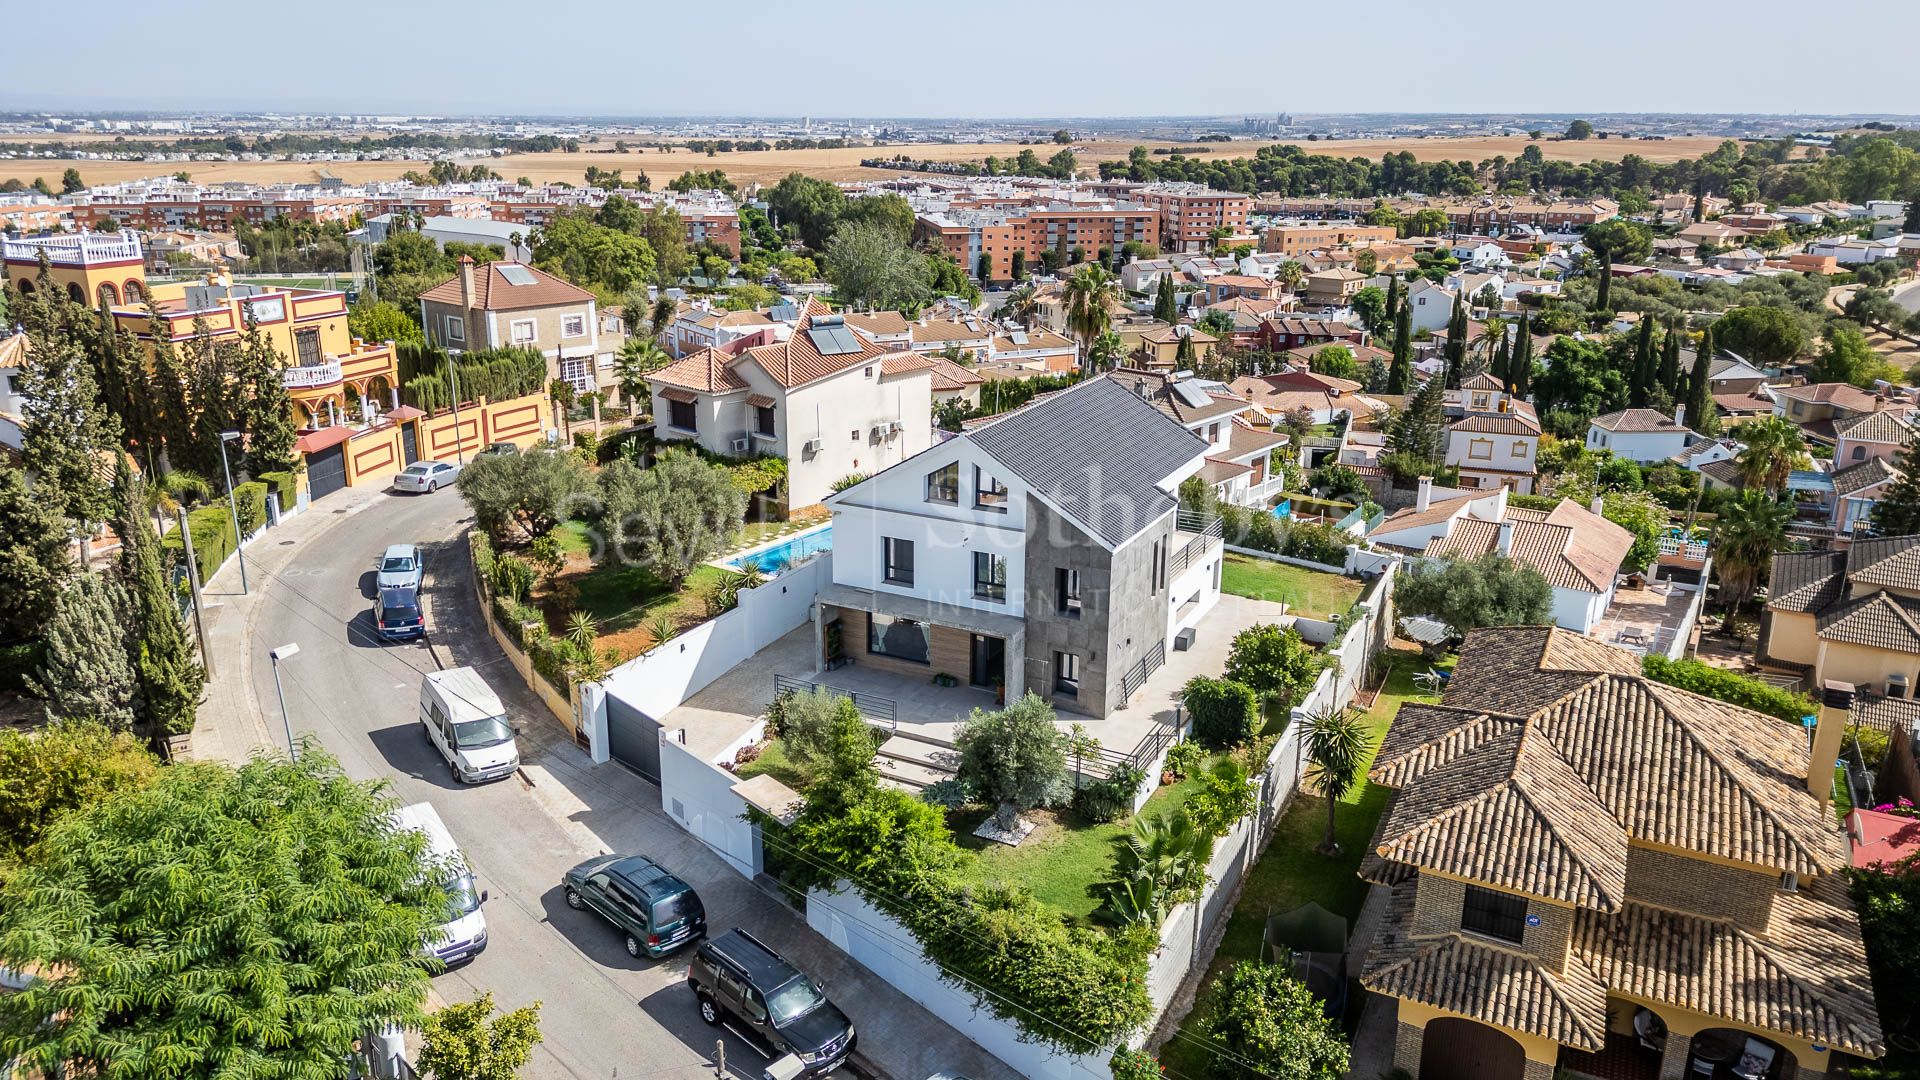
(74, 249)
(311, 376)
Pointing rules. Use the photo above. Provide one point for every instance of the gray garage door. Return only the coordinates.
(633, 738)
(327, 471)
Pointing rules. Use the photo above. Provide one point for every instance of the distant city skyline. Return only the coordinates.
(987, 60)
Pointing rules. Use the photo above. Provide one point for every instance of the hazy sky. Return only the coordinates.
(901, 58)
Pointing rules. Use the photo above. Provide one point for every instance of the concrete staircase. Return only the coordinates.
(911, 761)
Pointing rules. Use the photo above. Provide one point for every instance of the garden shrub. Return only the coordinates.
(950, 794)
(1133, 1065)
(250, 503)
(1185, 756)
(1226, 795)
(482, 552)
(1112, 798)
(1016, 757)
(1263, 534)
(283, 484)
(1225, 713)
(1267, 1023)
(513, 577)
(1315, 542)
(817, 725)
(212, 530)
(1729, 686)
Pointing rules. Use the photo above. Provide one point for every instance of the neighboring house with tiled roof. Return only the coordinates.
(1210, 411)
(1870, 435)
(829, 400)
(1645, 436)
(1493, 438)
(1820, 407)
(1851, 615)
(1579, 552)
(953, 381)
(700, 325)
(1042, 550)
(505, 304)
(13, 357)
(1581, 862)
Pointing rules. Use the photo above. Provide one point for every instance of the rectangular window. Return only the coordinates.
(456, 328)
(899, 561)
(1495, 914)
(573, 326)
(1066, 593)
(1066, 674)
(1480, 449)
(902, 639)
(989, 577)
(943, 484)
(520, 331)
(988, 492)
(306, 347)
(763, 419)
(680, 415)
(579, 372)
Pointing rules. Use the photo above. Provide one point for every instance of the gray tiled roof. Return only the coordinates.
(1863, 476)
(1807, 581)
(1879, 620)
(1893, 561)
(1097, 452)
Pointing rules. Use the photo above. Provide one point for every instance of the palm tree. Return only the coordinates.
(1021, 305)
(1106, 350)
(639, 357)
(1091, 293)
(1290, 274)
(1337, 744)
(1751, 528)
(1774, 448)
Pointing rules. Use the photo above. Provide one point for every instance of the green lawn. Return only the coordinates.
(1291, 873)
(1064, 858)
(623, 598)
(773, 760)
(1313, 593)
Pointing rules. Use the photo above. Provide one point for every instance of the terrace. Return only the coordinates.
(1656, 618)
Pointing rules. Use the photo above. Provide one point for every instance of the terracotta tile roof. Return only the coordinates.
(1043, 338)
(13, 351)
(1878, 620)
(882, 323)
(760, 401)
(493, 292)
(949, 376)
(1752, 402)
(1482, 381)
(1244, 440)
(1880, 427)
(1159, 390)
(1459, 974)
(708, 371)
(1469, 538)
(1845, 395)
(1216, 471)
(1860, 477)
(948, 330)
(1666, 766)
(1807, 581)
(798, 361)
(1438, 510)
(900, 363)
(1571, 547)
(1636, 420)
(1805, 976)
(1509, 423)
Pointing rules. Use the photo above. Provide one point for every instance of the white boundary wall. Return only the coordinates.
(699, 797)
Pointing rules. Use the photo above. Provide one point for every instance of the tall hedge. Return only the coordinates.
(1729, 686)
(212, 529)
(284, 484)
(1225, 713)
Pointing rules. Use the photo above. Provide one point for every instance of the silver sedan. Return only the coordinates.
(426, 476)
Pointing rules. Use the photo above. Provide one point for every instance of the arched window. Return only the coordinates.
(109, 296)
(135, 294)
(1859, 453)
(25, 286)
(77, 294)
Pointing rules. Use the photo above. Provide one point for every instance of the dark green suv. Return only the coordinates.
(736, 975)
(656, 911)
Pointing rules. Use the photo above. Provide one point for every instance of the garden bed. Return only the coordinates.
(624, 600)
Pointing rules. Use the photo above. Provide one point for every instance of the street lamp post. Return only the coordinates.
(233, 508)
(284, 652)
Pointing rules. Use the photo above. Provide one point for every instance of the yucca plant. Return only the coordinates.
(660, 628)
(582, 629)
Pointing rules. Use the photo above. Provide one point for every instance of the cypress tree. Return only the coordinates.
(1165, 308)
(1643, 363)
(34, 562)
(64, 431)
(1603, 291)
(1700, 415)
(1456, 351)
(86, 673)
(1520, 368)
(171, 681)
(1669, 376)
(266, 411)
(1502, 359)
(1393, 297)
(1400, 374)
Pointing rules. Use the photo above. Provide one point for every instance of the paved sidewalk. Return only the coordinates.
(231, 724)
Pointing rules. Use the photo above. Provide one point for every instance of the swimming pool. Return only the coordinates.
(780, 557)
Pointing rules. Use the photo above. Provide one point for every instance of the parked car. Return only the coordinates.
(464, 935)
(656, 911)
(426, 476)
(736, 975)
(401, 566)
(397, 615)
(499, 449)
(466, 723)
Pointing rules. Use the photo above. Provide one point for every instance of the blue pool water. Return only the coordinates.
(776, 559)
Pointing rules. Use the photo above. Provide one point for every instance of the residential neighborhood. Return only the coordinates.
(710, 577)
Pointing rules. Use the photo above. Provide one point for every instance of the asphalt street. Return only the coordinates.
(604, 1014)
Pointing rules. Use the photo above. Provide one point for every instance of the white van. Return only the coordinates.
(465, 935)
(467, 724)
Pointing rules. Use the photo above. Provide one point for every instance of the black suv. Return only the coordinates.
(736, 975)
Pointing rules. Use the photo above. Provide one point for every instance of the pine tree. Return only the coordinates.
(1643, 364)
(1669, 376)
(1165, 307)
(1898, 511)
(86, 673)
(1400, 374)
(65, 434)
(173, 418)
(1418, 433)
(171, 680)
(34, 561)
(266, 410)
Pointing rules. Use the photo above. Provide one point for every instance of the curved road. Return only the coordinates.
(604, 1014)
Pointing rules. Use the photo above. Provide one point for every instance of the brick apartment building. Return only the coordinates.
(967, 232)
(1189, 212)
(1322, 235)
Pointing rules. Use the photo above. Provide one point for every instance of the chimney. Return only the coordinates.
(466, 281)
(1425, 498)
(1679, 416)
(1506, 537)
(1598, 505)
(1836, 712)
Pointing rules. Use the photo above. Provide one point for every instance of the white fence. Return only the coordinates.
(699, 796)
(658, 682)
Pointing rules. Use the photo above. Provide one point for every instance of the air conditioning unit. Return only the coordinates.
(894, 428)
(879, 432)
(813, 446)
(739, 446)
